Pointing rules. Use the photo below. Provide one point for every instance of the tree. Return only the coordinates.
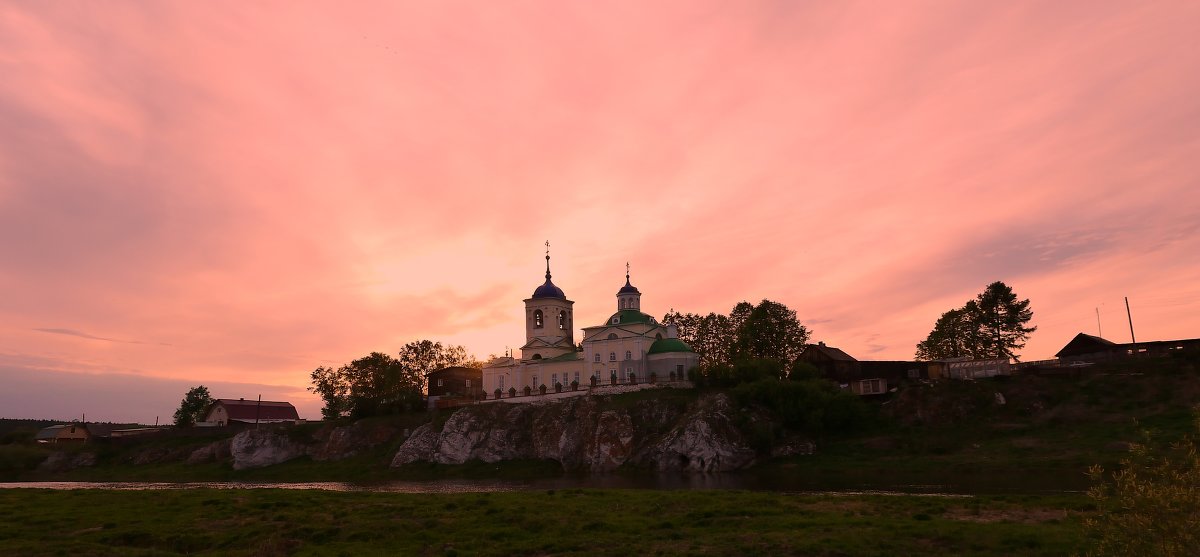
(952, 336)
(1001, 321)
(379, 383)
(191, 408)
(768, 331)
(993, 325)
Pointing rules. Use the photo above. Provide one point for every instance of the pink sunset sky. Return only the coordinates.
(234, 193)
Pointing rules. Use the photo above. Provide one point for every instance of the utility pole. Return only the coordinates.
(1099, 328)
(257, 411)
(1132, 338)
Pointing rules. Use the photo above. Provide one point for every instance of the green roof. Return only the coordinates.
(569, 356)
(628, 316)
(663, 345)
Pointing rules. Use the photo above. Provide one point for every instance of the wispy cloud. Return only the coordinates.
(81, 334)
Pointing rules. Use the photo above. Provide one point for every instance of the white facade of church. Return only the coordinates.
(630, 346)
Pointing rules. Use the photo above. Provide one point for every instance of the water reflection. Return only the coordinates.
(753, 482)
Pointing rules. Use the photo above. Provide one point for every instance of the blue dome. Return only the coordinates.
(628, 288)
(548, 290)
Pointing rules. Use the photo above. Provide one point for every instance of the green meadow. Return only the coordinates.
(575, 522)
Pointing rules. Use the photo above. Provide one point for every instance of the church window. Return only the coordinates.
(537, 356)
(554, 379)
(628, 355)
(576, 376)
(612, 356)
(597, 358)
(537, 319)
(535, 383)
(612, 336)
(501, 385)
(439, 382)
(562, 320)
(616, 320)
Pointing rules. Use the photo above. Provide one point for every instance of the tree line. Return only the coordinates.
(766, 331)
(379, 383)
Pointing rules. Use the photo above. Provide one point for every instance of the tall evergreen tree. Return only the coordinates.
(993, 325)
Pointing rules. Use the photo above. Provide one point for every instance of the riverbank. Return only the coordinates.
(1018, 434)
(583, 522)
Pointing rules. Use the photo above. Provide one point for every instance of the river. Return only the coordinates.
(960, 486)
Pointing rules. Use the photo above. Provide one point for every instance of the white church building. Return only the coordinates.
(629, 347)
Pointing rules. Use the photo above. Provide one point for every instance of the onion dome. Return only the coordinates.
(548, 290)
(628, 288)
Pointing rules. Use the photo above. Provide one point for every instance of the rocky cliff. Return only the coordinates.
(583, 434)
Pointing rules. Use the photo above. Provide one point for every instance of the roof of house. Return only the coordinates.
(1084, 343)
(830, 352)
(49, 432)
(242, 409)
(454, 370)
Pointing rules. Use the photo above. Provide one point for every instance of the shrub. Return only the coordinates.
(813, 406)
(1150, 506)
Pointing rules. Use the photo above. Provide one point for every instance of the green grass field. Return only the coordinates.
(578, 522)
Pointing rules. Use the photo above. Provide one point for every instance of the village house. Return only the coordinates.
(874, 377)
(228, 411)
(453, 383)
(1085, 348)
(63, 433)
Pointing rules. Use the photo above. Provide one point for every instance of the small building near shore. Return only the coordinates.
(63, 433)
(229, 411)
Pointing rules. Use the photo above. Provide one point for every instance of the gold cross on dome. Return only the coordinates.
(547, 247)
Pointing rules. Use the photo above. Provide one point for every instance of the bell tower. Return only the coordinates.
(549, 321)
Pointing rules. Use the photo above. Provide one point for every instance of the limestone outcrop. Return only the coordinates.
(582, 436)
(256, 448)
(336, 443)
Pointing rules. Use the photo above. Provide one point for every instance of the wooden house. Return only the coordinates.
(64, 433)
(455, 382)
(1093, 349)
(831, 362)
(228, 411)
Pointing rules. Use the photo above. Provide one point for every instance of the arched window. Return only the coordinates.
(612, 356)
(628, 355)
(622, 303)
(612, 336)
(537, 319)
(537, 356)
(562, 320)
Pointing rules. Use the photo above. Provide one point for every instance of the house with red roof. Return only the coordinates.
(229, 411)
